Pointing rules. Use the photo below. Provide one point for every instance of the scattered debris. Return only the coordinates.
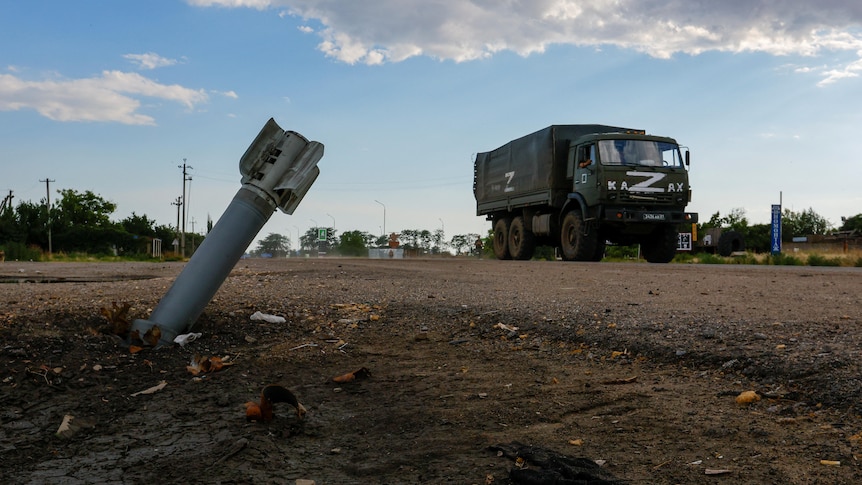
(263, 411)
(158, 387)
(72, 425)
(539, 466)
(617, 353)
(302, 346)
(186, 338)
(627, 380)
(830, 462)
(747, 397)
(361, 373)
(267, 318)
(202, 365)
(713, 471)
(118, 320)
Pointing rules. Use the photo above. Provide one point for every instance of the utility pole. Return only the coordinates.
(48, 208)
(179, 204)
(192, 222)
(185, 208)
(384, 215)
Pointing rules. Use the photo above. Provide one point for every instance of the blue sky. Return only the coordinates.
(111, 97)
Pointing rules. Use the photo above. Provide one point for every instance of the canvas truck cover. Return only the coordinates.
(530, 164)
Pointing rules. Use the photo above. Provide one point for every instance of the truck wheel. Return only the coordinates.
(522, 243)
(575, 245)
(501, 238)
(662, 245)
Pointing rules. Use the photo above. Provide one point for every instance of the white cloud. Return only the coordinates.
(850, 70)
(258, 4)
(378, 31)
(150, 60)
(109, 97)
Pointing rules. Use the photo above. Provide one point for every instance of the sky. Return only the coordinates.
(114, 97)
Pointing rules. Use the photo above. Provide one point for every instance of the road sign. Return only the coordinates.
(775, 229)
(684, 242)
(321, 234)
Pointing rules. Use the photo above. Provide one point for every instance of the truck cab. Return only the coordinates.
(626, 183)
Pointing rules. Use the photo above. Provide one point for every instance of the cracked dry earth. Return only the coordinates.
(636, 367)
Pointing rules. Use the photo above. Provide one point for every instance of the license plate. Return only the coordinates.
(653, 217)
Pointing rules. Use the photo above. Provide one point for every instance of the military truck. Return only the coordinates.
(577, 187)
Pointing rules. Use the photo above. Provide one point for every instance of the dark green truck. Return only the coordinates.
(576, 187)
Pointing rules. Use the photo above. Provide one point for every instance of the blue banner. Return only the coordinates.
(776, 229)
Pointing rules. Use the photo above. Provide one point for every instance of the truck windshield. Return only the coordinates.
(639, 153)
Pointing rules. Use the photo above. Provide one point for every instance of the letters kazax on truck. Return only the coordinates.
(577, 187)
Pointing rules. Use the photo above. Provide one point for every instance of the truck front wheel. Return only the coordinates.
(575, 244)
(522, 243)
(501, 238)
(662, 245)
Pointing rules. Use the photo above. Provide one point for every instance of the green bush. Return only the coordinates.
(16, 251)
(684, 258)
(782, 259)
(747, 258)
(820, 260)
(707, 258)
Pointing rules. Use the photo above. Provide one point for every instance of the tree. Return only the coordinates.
(309, 241)
(77, 209)
(81, 222)
(354, 243)
(758, 238)
(736, 220)
(803, 223)
(851, 223)
(166, 233)
(139, 225)
(274, 244)
(463, 243)
(409, 239)
(439, 242)
(425, 240)
(460, 243)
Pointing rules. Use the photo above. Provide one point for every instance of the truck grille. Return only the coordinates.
(645, 198)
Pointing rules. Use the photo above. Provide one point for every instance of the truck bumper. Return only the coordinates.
(648, 216)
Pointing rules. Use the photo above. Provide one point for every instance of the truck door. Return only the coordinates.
(586, 170)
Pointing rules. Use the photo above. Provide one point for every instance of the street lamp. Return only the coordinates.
(384, 215)
(333, 221)
(298, 243)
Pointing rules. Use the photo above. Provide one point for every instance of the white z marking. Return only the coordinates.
(509, 176)
(646, 185)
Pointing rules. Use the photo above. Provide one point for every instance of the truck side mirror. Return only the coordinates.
(687, 158)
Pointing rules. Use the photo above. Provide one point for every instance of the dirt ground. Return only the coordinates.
(634, 366)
